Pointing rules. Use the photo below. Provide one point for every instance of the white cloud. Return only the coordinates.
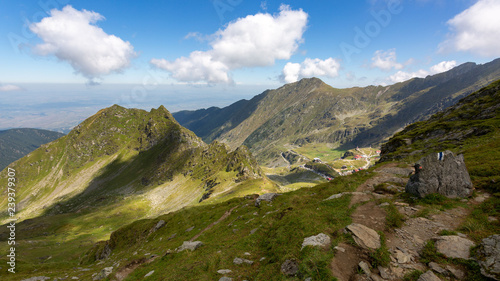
(443, 66)
(199, 66)
(385, 60)
(72, 36)
(9, 87)
(253, 41)
(476, 30)
(310, 67)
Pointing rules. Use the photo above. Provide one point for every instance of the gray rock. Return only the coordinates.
(265, 197)
(334, 196)
(225, 279)
(448, 177)
(242, 261)
(290, 267)
(437, 268)
(37, 278)
(159, 225)
(364, 236)
(365, 267)
(224, 271)
(320, 240)
(188, 245)
(402, 257)
(454, 246)
(489, 256)
(459, 274)
(189, 229)
(428, 276)
(385, 273)
(149, 273)
(104, 273)
(375, 277)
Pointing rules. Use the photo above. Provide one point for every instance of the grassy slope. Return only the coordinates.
(281, 227)
(118, 166)
(16, 143)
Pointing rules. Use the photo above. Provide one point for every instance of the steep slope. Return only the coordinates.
(122, 157)
(471, 127)
(309, 111)
(15, 143)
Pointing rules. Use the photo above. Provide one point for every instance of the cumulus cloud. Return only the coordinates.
(443, 66)
(9, 87)
(476, 30)
(385, 60)
(310, 67)
(72, 36)
(253, 41)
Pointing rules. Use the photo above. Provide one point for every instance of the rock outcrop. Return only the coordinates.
(443, 173)
(489, 256)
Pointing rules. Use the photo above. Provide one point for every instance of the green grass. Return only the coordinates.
(477, 226)
(381, 256)
(393, 219)
(281, 227)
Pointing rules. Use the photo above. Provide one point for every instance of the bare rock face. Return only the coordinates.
(442, 173)
(364, 236)
(454, 246)
(489, 256)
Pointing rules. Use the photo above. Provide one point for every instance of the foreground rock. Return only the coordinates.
(37, 278)
(428, 276)
(104, 273)
(320, 240)
(489, 256)
(188, 245)
(265, 197)
(364, 236)
(454, 246)
(447, 176)
(290, 268)
(242, 261)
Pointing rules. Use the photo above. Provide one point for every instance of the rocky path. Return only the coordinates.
(405, 243)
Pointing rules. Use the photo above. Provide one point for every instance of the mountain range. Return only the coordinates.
(310, 111)
(123, 194)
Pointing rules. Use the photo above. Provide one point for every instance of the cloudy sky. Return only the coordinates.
(145, 53)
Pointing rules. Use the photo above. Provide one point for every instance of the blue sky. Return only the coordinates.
(230, 49)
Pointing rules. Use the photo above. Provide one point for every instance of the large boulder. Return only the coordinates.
(442, 173)
(489, 256)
